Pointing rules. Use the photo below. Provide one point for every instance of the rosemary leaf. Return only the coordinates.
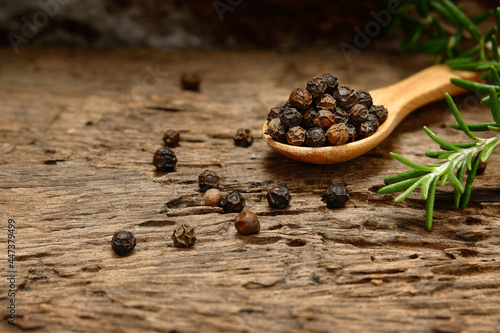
(464, 201)
(443, 144)
(458, 117)
(411, 164)
(429, 205)
(460, 177)
(476, 127)
(404, 176)
(398, 187)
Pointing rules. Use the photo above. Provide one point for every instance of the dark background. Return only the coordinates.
(253, 24)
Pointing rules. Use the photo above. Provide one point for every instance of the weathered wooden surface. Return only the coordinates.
(77, 133)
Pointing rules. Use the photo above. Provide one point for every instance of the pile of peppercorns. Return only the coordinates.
(325, 113)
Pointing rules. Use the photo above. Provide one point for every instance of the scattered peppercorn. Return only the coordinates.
(164, 159)
(247, 223)
(338, 134)
(358, 114)
(324, 119)
(190, 81)
(278, 197)
(315, 137)
(184, 236)
(243, 138)
(300, 98)
(171, 138)
(335, 196)
(380, 111)
(296, 136)
(331, 83)
(364, 98)
(276, 130)
(317, 86)
(208, 179)
(326, 102)
(233, 203)
(290, 117)
(366, 129)
(346, 96)
(212, 197)
(123, 242)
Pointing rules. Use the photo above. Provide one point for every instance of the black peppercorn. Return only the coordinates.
(380, 111)
(364, 98)
(324, 119)
(171, 138)
(190, 81)
(233, 203)
(247, 223)
(290, 117)
(274, 113)
(243, 138)
(208, 179)
(346, 96)
(353, 134)
(337, 134)
(326, 102)
(278, 197)
(365, 130)
(331, 82)
(340, 116)
(296, 136)
(301, 99)
(308, 118)
(335, 196)
(315, 137)
(358, 114)
(276, 130)
(164, 160)
(317, 86)
(373, 120)
(123, 242)
(184, 236)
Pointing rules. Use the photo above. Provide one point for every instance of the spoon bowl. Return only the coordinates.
(400, 99)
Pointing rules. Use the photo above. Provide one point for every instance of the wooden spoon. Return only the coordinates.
(400, 99)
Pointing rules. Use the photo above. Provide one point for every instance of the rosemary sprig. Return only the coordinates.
(440, 28)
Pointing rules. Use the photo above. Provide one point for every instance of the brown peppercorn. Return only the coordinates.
(331, 82)
(340, 116)
(326, 102)
(243, 138)
(300, 98)
(358, 114)
(308, 118)
(315, 137)
(184, 236)
(317, 86)
(374, 120)
(233, 203)
(296, 136)
(212, 197)
(481, 167)
(324, 119)
(380, 111)
(346, 97)
(338, 134)
(247, 223)
(274, 113)
(353, 134)
(278, 197)
(335, 196)
(365, 130)
(364, 98)
(190, 81)
(276, 130)
(208, 179)
(164, 160)
(290, 117)
(171, 138)
(123, 242)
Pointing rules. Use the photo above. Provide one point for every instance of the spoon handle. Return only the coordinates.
(419, 89)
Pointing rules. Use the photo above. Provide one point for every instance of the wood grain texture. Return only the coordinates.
(77, 136)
